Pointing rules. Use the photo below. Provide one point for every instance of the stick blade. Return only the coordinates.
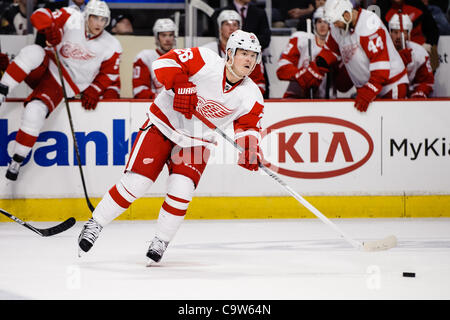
(69, 223)
(380, 245)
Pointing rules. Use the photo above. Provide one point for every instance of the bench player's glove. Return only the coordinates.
(53, 35)
(145, 94)
(406, 56)
(421, 91)
(90, 97)
(185, 99)
(365, 95)
(250, 157)
(310, 76)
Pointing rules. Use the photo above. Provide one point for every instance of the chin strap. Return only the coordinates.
(347, 24)
(229, 68)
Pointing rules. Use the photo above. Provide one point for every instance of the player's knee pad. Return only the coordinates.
(33, 117)
(180, 186)
(180, 190)
(30, 57)
(131, 186)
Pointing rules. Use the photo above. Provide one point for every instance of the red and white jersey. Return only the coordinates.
(84, 60)
(368, 53)
(240, 105)
(257, 74)
(420, 74)
(145, 84)
(296, 56)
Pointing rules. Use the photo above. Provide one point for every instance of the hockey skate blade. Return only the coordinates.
(380, 245)
(150, 262)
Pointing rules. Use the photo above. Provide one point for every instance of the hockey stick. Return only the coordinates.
(202, 6)
(308, 30)
(77, 152)
(63, 226)
(400, 20)
(375, 245)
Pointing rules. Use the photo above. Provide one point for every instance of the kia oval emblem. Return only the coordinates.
(341, 137)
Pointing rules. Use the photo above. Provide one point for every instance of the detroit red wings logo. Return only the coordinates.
(348, 51)
(212, 109)
(75, 51)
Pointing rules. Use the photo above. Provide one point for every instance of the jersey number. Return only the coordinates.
(374, 44)
(184, 55)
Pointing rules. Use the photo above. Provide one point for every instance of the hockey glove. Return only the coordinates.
(145, 94)
(4, 61)
(365, 95)
(250, 157)
(53, 35)
(406, 56)
(422, 91)
(111, 94)
(310, 76)
(90, 97)
(418, 95)
(185, 99)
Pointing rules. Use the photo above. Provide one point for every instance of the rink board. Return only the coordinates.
(392, 161)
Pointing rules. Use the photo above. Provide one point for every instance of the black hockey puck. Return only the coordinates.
(409, 274)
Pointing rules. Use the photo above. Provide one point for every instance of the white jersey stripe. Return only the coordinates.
(381, 65)
(164, 63)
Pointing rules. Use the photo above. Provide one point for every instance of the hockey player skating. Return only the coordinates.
(415, 57)
(360, 39)
(90, 63)
(229, 21)
(145, 83)
(193, 79)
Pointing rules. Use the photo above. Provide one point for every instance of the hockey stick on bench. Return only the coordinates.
(375, 245)
(63, 226)
(77, 152)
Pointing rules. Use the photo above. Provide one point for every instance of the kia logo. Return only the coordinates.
(288, 139)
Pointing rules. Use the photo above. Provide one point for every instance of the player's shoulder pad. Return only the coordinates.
(418, 52)
(112, 42)
(302, 38)
(253, 93)
(147, 55)
(71, 10)
(368, 23)
(208, 55)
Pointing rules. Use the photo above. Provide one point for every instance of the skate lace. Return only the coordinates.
(158, 246)
(91, 231)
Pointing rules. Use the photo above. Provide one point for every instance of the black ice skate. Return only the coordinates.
(88, 235)
(156, 250)
(14, 167)
(3, 92)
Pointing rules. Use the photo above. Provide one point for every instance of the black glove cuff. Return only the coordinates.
(321, 63)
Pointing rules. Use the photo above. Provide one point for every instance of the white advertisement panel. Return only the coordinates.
(318, 148)
(441, 86)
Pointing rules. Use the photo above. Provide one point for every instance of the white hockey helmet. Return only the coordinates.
(244, 40)
(227, 15)
(319, 13)
(97, 8)
(164, 25)
(335, 9)
(406, 23)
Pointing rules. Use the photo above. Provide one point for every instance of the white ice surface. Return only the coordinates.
(230, 259)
